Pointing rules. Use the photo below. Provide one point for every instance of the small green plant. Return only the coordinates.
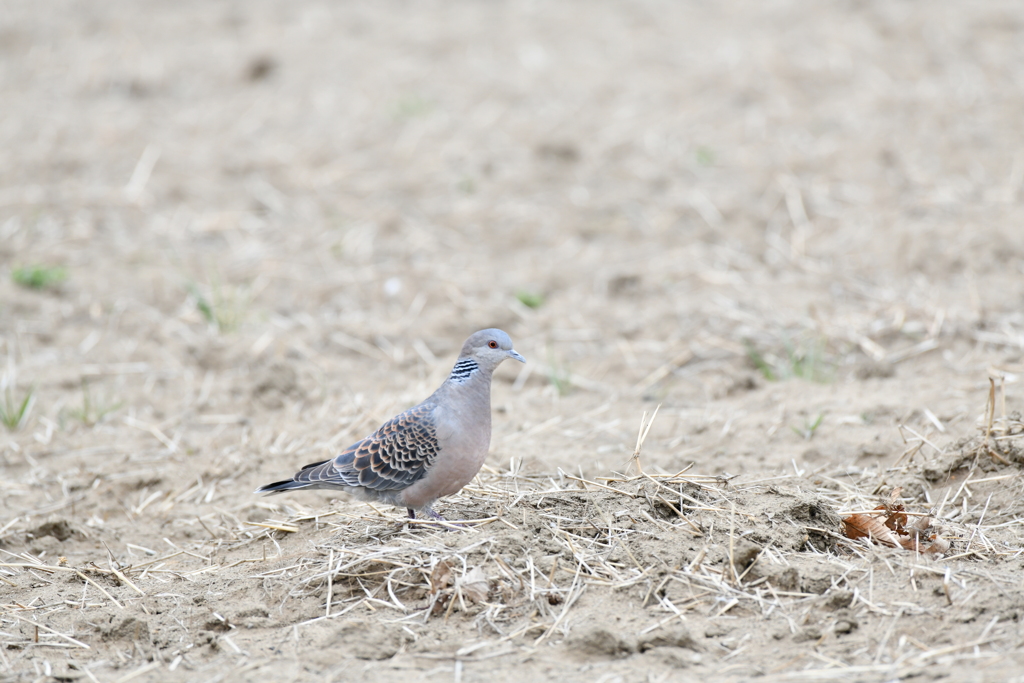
(809, 428)
(12, 413)
(530, 299)
(39, 277)
(760, 363)
(223, 310)
(412, 106)
(705, 156)
(809, 362)
(559, 376)
(92, 412)
(202, 306)
(803, 360)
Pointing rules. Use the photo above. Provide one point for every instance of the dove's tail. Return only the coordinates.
(282, 486)
(290, 484)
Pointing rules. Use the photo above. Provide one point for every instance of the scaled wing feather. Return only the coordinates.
(392, 458)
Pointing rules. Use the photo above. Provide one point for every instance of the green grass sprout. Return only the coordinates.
(809, 428)
(224, 310)
(530, 299)
(559, 375)
(92, 412)
(804, 360)
(705, 156)
(12, 413)
(39, 277)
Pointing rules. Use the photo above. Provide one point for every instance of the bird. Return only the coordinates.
(431, 450)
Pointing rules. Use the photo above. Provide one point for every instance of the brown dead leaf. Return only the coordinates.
(896, 519)
(895, 512)
(938, 546)
(866, 526)
(474, 585)
(447, 589)
(440, 604)
(924, 538)
(441, 576)
(894, 495)
(908, 542)
(893, 532)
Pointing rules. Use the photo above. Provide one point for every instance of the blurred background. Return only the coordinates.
(250, 230)
(236, 236)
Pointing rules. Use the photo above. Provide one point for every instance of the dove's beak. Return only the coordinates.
(513, 354)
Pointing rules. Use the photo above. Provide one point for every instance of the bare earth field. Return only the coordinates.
(796, 229)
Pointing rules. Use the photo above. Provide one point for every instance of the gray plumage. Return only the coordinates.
(429, 451)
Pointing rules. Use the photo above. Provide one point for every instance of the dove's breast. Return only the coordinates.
(464, 436)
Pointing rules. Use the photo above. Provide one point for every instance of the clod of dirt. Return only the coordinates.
(1009, 607)
(812, 455)
(46, 546)
(820, 521)
(807, 633)
(600, 640)
(845, 623)
(96, 620)
(565, 152)
(60, 529)
(974, 453)
(251, 617)
(139, 483)
(206, 638)
(624, 285)
(260, 68)
(815, 579)
(837, 599)
(359, 639)
(274, 383)
(128, 629)
(671, 636)
(256, 611)
(741, 383)
(744, 554)
(675, 657)
(213, 355)
(804, 575)
(784, 579)
(716, 630)
(872, 370)
(215, 624)
(873, 449)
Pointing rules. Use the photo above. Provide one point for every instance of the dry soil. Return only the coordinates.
(794, 228)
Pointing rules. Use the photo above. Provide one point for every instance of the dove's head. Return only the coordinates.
(489, 347)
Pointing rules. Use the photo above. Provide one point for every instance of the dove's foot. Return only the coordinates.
(429, 512)
(447, 526)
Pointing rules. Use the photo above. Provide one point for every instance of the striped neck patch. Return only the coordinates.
(462, 370)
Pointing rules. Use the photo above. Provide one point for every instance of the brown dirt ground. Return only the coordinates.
(794, 226)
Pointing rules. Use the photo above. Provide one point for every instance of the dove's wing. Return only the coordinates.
(394, 457)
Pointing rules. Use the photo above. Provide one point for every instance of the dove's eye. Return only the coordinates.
(493, 344)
